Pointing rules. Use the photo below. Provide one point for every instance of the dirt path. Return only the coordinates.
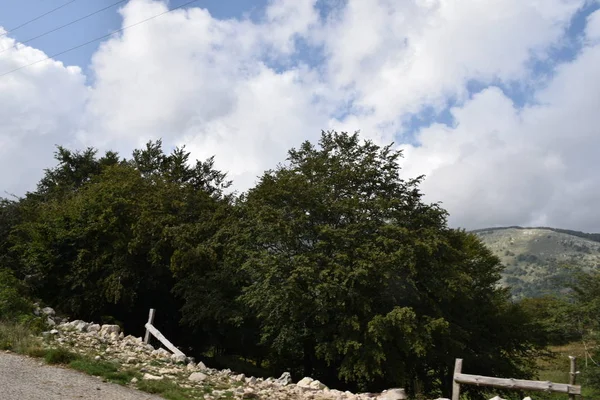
(23, 378)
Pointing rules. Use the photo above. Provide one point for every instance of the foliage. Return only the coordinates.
(110, 371)
(18, 338)
(13, 303)
(332, 266)
(60, 355)
(556, 316)
(355, 279)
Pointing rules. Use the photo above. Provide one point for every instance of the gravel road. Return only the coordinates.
(23, 378)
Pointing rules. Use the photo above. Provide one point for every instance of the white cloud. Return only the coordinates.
(238, 89)
(535, 166)
(39, 107)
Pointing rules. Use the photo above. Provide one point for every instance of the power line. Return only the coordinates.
(36, 18)
(65, 25)
(96, 39)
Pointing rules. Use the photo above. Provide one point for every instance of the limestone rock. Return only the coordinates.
(178, 358)
(305, 382)
(197, 377)
(316, 385)
(393, 394)
(49, 311)
(284, 379)
(109, 329)
(150, 377)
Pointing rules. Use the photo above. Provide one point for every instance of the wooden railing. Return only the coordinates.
(514, 384)
(150, 329)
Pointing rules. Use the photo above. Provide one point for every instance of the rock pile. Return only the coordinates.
(107, 342)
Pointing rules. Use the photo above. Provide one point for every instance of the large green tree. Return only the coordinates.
(99, 234)
(355, 279)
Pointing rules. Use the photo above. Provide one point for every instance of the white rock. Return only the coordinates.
(305, 382)
(108, 329)
(178, 358)
(197, 377)
(134, 380)
(318, 385)
(50, 322)
(48, 311)
(191, 366)
(284, 379)
(201, 366)
(54, 332)
(79, 325)
(97, 358)
(150, 377)
(497, 398)
(393, 394)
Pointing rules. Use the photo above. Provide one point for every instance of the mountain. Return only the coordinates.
(541, 260)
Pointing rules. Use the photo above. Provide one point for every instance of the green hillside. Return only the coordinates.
(541, 260)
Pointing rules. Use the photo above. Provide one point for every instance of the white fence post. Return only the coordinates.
(150, 321)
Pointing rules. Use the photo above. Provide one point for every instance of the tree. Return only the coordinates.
(356, 281)
(99, 235)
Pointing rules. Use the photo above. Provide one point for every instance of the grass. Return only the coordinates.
(18, 338)
(59, 356)
(110, 371)
(167, 389)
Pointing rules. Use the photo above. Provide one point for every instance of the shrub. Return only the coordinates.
(13, 304)
(60, 356)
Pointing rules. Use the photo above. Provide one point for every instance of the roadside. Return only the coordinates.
(27, 378)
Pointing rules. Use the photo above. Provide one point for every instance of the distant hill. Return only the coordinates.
(541, 260)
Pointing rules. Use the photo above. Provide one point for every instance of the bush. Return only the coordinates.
(13, 304)
(108, 370)
(18, 338)
(60, 356)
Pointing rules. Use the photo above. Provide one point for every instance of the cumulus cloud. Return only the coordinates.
(501, 165)
(39, 108)
(246, 90)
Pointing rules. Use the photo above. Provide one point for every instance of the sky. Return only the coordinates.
(496, 102)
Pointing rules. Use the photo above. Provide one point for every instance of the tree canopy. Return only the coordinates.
(331, 266)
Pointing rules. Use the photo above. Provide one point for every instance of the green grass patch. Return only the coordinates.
(167, 389)
(18, 338)
(107, 370)
(60, 355)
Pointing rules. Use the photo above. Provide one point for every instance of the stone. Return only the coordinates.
(49, 311)
(316, 385)
(54, 332)
(178, 358)
(201, 366)
(134, 380)
(97, 358)
(108, 329)
(79, 325)
(393, 394)
(305, 382)
(197, 377)
(150, 377)
(190, 366)
(50, 322)
(284, 379)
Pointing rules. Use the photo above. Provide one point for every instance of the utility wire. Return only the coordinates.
(36, 18)
(65, 25)
(96, 39)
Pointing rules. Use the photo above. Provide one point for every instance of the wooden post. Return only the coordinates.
(572, 375)
(456, 385)
(150, 321)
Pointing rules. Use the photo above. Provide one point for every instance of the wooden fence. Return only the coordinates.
(514, 384)
(150, 329)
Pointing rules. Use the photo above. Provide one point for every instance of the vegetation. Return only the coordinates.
(331, 266)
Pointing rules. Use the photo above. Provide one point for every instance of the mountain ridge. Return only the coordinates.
(541, 260)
